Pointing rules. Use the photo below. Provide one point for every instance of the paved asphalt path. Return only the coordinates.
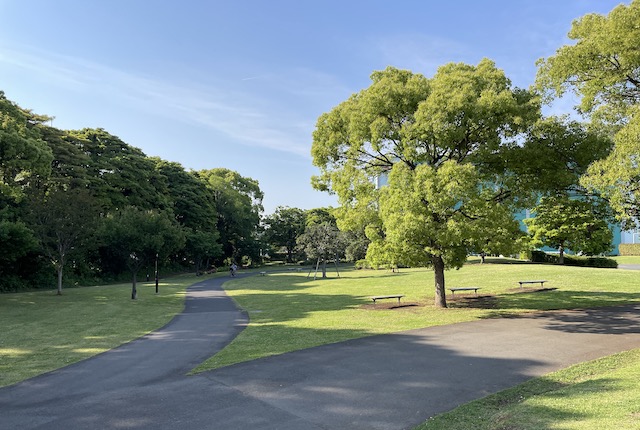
(629, 266)
(380, 382)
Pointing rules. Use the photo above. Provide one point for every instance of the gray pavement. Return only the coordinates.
(380, 382)
(629, 266)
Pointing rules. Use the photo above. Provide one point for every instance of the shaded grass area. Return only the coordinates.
(42, 331)
(601, 394)
(289, 311)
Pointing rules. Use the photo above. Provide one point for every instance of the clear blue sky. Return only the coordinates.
(240, 83)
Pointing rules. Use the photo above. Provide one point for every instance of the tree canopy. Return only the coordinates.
(602, 68)
(570, 223)
(212, 215)
(443, 143)
(283, 228)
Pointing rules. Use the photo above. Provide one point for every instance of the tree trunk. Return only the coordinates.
(324, 267)
(561, 257)
(60, 268)
(197, 264)
(438, 268)
(134, 291)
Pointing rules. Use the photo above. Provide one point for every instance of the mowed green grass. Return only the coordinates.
(627, 259)
(289, 311)
(42, 331)
(597, 395)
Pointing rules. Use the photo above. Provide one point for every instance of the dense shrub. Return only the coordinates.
(538, 256)
(362, 264)
(573, 260)
(629, 248)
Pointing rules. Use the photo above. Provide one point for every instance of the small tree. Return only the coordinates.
(283, 228)
(564, 223)
(322, 242)
(64, 221)
(137, 237)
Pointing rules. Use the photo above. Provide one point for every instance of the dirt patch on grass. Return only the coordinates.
(531, 290)
(388, 305)
(476, 302)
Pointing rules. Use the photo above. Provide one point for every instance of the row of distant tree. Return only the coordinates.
(94, 208)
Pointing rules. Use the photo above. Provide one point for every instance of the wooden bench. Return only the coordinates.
(392, 296)
(263, 273)
(532, 282)
(453, 290)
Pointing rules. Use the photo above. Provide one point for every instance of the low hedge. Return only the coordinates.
(629, 249)
(573, 260)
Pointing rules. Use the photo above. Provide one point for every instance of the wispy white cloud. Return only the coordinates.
(419, 52)
(252, 116)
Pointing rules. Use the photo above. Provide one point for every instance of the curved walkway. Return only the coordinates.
(380, 382)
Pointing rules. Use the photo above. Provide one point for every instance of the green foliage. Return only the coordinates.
(629, 248)
(283, 228)
(573, 260)
(24, 156)
(617, 177)
(603, 68)
(238, 203)
(64, 221)
(444, 144)
(362, 264)
(565, 223)
(320, 216)
(322, 242)
(121, 175)
(217, 210)
(135, 237)
(556, 153)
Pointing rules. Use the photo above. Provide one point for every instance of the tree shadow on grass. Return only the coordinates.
(265, 308)
(565, 299)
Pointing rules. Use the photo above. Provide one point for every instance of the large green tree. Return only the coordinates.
(283, 227)
(194, 208)
(238, 203)
(568, 223)
(441, 141)
(602, 68)
(64, 221)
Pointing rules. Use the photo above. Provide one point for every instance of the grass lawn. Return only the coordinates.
(627, 259)
(289, 311)
(601, 394)
(42, 331)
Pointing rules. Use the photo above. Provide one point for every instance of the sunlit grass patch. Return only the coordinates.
(43, 331)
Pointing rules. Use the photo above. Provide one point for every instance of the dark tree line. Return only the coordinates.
(96, 208)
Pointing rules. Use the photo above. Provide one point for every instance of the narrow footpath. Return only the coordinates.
(381, 382)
